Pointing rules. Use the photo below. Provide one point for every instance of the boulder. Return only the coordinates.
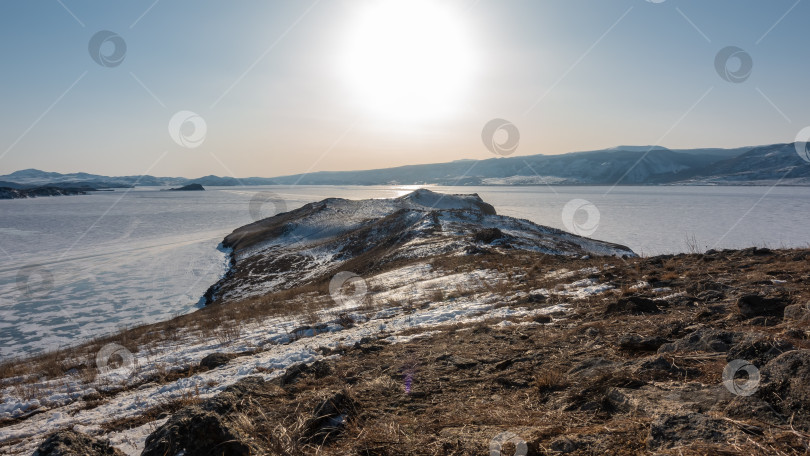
(210, 428)
(758, 349)
(785, 385)
(633, 305)
(797, 312)
(704, 340)
(754, 306)
(669, 431)
(488, 235)
(318, 369)
(658, 367)
(637, 343)
(196, 431)
(783, 397)
(215, 360)
(72, 443)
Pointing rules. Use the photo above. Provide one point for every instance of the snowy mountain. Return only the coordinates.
(626, 165)
(318, 239)
(622, 165)
(760, 165)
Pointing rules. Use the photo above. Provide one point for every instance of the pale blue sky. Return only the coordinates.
(270, 81)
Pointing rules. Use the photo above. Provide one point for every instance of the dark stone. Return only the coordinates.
(783, 397)
(329, 418)
(488, 235)
(537, 297)
(754, 305)
(797, 312)
(704, 340)
(72, 443)
(564, 445)
(754, 252)
(711, 296)
(785, 385)
(207, 429)
(544, 319)
(758, 349)
(318, 369)
(636, 343)
(658, 366)
(215, 360)
(633, 305)
(668, 431)
(197, 432)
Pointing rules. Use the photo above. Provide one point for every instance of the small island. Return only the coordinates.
(188, 188)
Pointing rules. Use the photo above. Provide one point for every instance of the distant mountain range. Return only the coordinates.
(623, 165)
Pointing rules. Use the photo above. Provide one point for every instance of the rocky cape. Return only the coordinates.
(312, 243)
(19, 193)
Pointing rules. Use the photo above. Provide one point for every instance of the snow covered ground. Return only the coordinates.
(276, 346)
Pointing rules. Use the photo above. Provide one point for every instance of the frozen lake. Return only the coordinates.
(78, 266)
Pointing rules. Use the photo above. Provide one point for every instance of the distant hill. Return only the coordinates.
(622, 165)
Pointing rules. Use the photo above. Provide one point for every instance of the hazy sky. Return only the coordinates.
(285, 87)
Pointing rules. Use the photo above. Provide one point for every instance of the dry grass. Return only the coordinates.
(519, 377)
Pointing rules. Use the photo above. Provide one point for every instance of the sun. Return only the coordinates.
(409, 59)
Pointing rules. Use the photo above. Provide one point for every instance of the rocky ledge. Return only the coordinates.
(312, 243)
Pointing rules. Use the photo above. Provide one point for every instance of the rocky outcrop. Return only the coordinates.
(72, 443)
(213, 428)
(313, 242)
